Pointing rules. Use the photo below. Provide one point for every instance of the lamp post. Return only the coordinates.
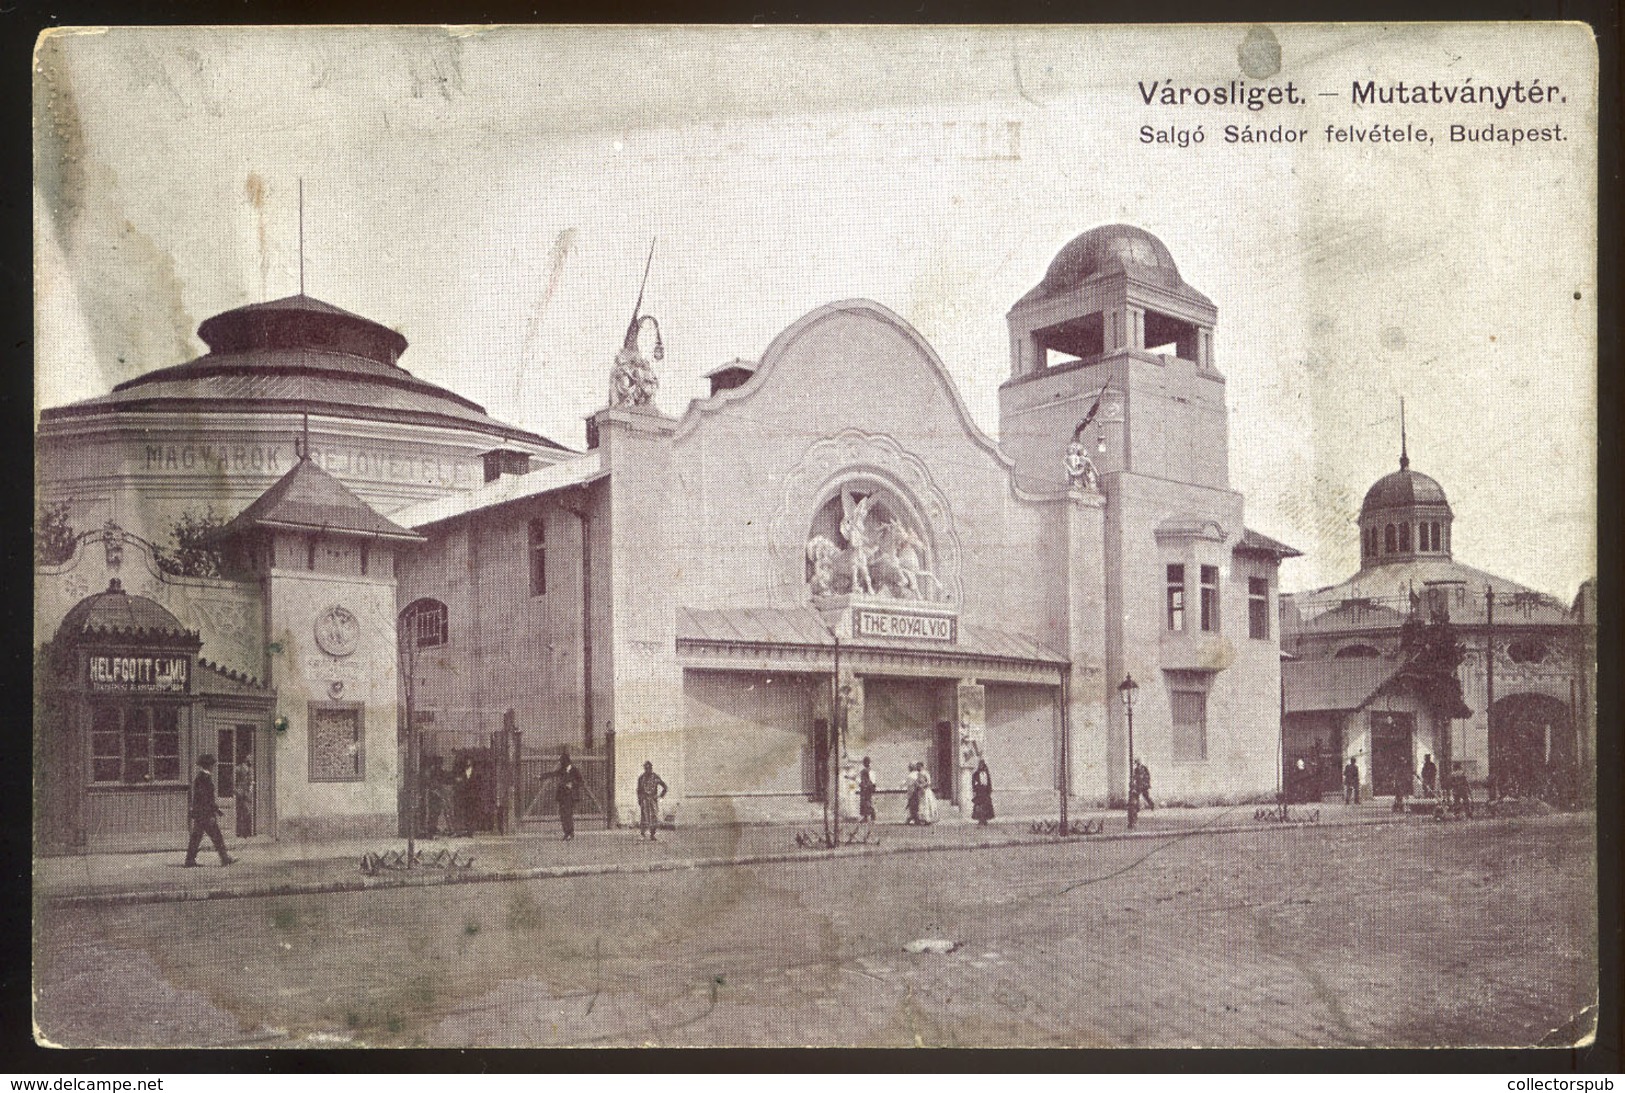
(1128, 691)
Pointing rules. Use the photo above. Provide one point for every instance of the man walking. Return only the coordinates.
(651, 787)
(866, 794)
(204, 813)
(1142, 783)
(1351, 783)
(569, 792)
(1430, 776)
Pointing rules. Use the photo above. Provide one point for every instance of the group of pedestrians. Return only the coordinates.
(921, 805)
(650, 789)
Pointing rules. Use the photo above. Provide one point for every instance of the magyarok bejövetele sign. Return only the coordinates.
(869, 623)
(143, 674)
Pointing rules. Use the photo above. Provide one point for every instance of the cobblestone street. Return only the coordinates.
(1407, 934)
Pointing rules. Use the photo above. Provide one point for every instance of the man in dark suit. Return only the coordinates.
(569, 790)
(204, 814)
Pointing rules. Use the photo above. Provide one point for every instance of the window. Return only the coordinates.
(1527, 651)
(538, 557)
(1404, 537)
(134, 745)
(1176, 597)
(337, 747)
(1258, 607)
(1357, 652)
(1388, 541)
(1434, 535)
(1190, 725)
(310, 552)
(1368, 542)
(1210, 598)
(366, 552)
(425, 621)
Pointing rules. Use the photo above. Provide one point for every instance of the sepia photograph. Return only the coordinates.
(815, 536)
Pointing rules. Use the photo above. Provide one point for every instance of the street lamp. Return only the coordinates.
(1128, 691)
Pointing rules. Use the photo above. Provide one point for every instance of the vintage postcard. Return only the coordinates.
(837, 536)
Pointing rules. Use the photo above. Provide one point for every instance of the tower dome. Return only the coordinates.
(1405, 516)
(1108, 249)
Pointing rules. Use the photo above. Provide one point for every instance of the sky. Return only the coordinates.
(492, 194)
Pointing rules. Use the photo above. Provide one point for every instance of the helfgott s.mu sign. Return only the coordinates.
(142, 674)
(872, 623)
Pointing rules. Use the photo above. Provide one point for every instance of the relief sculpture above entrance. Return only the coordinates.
(862, 517)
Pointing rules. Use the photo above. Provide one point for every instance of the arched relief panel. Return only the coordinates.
(861, 463)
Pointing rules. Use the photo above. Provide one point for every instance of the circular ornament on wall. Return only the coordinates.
(337, 631)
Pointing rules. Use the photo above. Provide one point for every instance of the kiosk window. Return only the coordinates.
(134, 744)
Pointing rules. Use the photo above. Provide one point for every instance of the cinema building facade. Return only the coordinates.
(825, 539)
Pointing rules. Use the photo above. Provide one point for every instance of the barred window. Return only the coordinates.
(1388, 540)
(134, 745)
(425, 621)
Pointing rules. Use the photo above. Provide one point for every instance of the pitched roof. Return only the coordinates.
(308, 498)
(216, 679)
(1342, 683)
(1254, 543)
(510, 487)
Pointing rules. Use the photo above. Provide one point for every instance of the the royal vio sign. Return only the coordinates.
(870, 622)
(140, 673)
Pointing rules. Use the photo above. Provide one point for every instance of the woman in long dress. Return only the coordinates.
(916, 793)
(981, 794)
(928, 799)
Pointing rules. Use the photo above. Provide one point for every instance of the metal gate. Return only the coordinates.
(539, 786)
(465, 781)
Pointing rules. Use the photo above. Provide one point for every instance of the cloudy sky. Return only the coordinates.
(492, 195)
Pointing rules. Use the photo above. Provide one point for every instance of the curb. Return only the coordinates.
(433, 879)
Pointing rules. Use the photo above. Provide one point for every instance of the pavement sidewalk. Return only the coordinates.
(267, 867)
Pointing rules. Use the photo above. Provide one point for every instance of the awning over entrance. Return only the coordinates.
(1347, 683)
(796, 639)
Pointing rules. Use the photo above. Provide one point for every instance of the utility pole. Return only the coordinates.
(1489, 666)
(837, 711)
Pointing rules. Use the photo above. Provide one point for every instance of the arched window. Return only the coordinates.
(425, 621)
(1358, 652)
(1435, 533)
(1367, 540)
(1388, 541)
(1404, 537)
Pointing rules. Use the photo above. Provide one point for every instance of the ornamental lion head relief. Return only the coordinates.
(859, 511)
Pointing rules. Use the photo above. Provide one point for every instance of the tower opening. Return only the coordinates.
(1079, 339)
(1166, 334)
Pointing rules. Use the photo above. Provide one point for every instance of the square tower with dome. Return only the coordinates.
(1113, 351)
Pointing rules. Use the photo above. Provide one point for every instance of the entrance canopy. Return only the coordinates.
(1345, 684)
(797, 639)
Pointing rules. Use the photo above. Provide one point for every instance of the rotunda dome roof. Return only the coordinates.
(298, 354)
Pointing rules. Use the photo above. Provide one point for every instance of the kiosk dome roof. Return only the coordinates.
(116, 611)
